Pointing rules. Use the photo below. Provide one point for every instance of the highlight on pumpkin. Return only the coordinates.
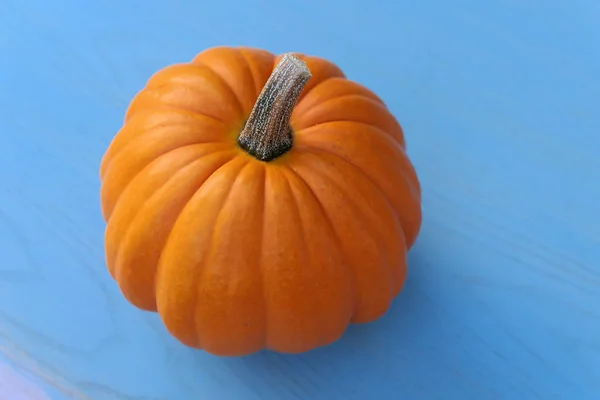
(259, 202)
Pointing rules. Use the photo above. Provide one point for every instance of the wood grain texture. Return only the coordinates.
(499, 101)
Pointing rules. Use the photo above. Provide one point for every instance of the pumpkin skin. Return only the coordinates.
(238, 254)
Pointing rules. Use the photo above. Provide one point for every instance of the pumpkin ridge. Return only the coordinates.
(232, 92)
(108, 211)
(257, 77)
(162, 79)
(140, 206)
(231, 291)
(155, 94)
(118, 143)
(406, 164)
(368, 176)
(251, 70)
(197, 325)
(189, 83)
(142, 209)
(336, 236)
(179, 268)
(369, 217)
(261, 258)
(111, 153)
(167, 108)
(350, 95)
(302, 131)
(308, 288)
(397, 135)
(321, 69)
(401, 214)
(250, 74)
(147, 113)
(367, 94)
(300, 226)
(137, 210)
(356, 269)
(317, 85)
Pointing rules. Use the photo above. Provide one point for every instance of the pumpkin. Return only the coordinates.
(258, 202)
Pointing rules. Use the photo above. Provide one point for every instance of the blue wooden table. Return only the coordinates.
(500, 101)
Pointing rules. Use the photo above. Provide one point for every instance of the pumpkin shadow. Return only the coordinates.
(359, 362)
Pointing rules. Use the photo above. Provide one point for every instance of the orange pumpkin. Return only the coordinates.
(259, 201)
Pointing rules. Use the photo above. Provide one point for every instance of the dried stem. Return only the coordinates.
(267, 133)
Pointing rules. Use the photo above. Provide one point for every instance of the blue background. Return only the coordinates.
(500, 101)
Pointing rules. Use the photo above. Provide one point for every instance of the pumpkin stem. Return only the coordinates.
(267, 133)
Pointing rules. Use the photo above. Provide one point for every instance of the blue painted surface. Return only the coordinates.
(500, 103)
